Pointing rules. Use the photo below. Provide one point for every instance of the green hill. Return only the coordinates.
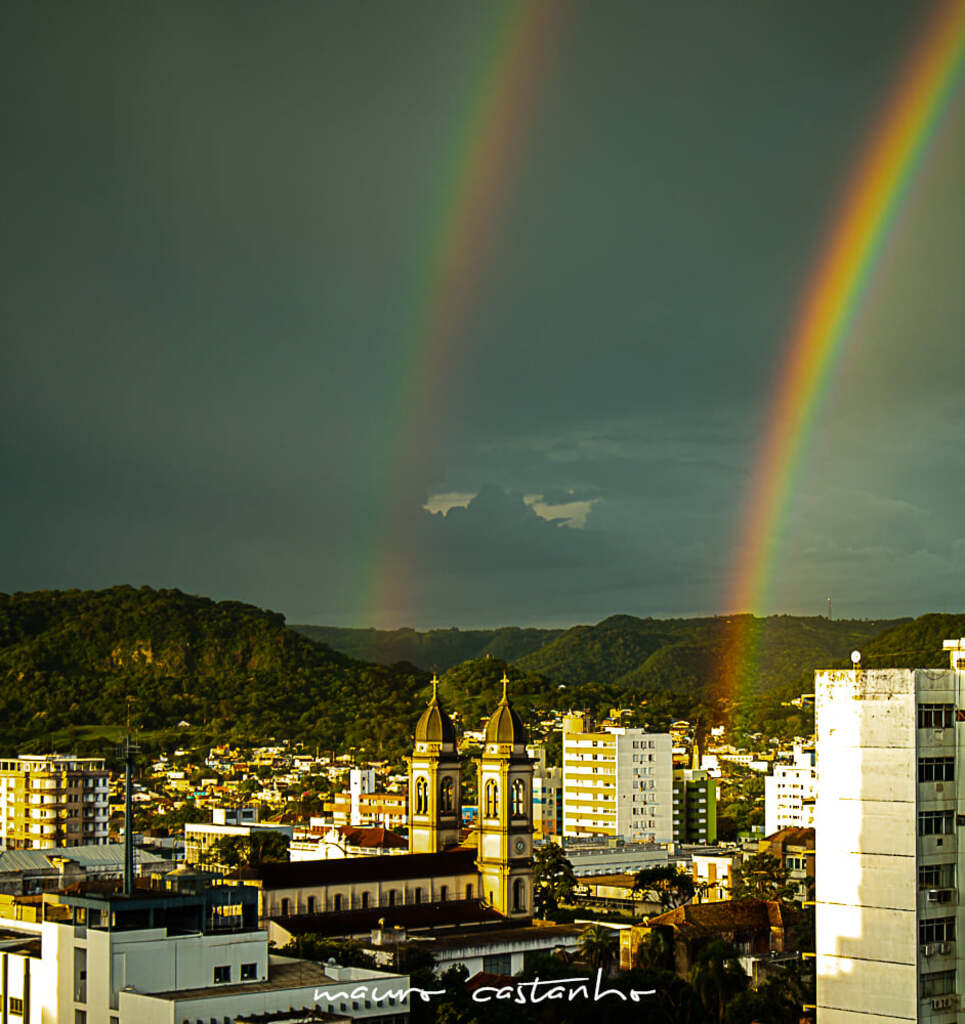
(915, 644)
(437, 649)
(686, 655)
(70, 659)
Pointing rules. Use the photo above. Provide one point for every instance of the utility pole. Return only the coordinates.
(130, 749)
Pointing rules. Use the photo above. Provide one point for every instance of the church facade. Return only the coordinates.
(492, 871)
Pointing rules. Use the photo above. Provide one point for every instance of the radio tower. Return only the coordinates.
(130, 749)
(829, 608)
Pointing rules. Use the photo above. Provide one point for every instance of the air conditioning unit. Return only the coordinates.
(944, 1002)
(941, 947)
(927, 949)
(938, 895)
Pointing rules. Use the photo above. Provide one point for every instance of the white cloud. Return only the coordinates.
(569, 513)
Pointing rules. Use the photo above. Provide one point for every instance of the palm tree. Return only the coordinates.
(598, 945)
(717, 977)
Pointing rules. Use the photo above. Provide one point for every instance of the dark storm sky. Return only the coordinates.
(216, 219)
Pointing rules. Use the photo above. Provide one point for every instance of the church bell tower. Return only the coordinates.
(434, 781)
(505, 858)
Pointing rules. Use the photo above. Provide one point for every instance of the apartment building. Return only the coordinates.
(52, 800)
(789, 792)
(694, 807)
(890, 806)
(547, 795)
(616, 782)
(201, 838)
(180, 953)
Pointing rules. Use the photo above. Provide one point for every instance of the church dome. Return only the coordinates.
(435, 726)
(505, 726)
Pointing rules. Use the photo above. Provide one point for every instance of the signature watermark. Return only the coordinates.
(520, 992)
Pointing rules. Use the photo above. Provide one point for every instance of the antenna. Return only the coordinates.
(829, 606)
(130, 749)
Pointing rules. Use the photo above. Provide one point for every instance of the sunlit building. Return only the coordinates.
(890, 805)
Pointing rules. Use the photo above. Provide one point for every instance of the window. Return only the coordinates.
(443, 893)
(445, 795)
(938, 983)
(935, 716)
(469, 891)
(519, 799)
(249, 972)
(519, 895)
(938, 929)
(286, 907)
(934, 823)
(421, 796)
(337, 902)
(936, 769)
(80, 1017)
(222, 975)
(936, 876)
(417, 896)
(365, 901)
(499, 963)
(16, 1005)
(311, 904)
(492, 798)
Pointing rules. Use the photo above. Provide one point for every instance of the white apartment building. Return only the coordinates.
(52, 800)
(617, 782)
(789, 793)
(890, 806)
(170, 958)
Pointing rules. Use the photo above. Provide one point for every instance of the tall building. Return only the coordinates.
(617, 782)
(694, 806)
(789, 792)
(547, 795)
(890, 804)
(435, 817)
(51, 800)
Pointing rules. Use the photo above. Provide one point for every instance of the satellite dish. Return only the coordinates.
(856, 658)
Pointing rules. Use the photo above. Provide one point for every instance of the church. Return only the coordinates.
(487, 879)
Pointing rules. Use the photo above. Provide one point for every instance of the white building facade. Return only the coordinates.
(890, 806)
(789, 793)
(618, 782)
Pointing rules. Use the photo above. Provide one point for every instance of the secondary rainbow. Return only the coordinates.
(858, 234)
(476, 186)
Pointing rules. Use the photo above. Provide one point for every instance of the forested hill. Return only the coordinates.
(70, 659)
(685, 655)
(682, 655)
(437, 649)
(915, 644)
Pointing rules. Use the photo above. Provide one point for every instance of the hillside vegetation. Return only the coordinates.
(70, 659)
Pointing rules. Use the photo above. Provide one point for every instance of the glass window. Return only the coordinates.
(934, 823)
(938, 929)
(936, 876)
(938, 983)
(249, 972)
(936, 769)
(935, 716)
(222, 974)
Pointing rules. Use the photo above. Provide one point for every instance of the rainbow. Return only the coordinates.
(830, 303)
(478, 180)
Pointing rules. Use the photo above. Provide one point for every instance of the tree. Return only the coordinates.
(762, 877)
(259, 847)
(553, 879)
(599, 945)
(717, 977)
(667, 884)
(344, 952)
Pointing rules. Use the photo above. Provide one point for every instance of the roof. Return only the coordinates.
(107, 855)
(373, 838)
(283, 972)
(411, 916)
(301, 874)
(435, 726)
(792, 836)
(504, 725)
(710, 919)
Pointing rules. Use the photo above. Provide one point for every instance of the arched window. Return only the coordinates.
(285, 907)
(445, 795)
(338, 901)
(391, 897)
(519, 895)
(443, 893)
(311, 904)
(417, 896)
(421, 796)
(519, 799)
(365, 900)
(492, 799)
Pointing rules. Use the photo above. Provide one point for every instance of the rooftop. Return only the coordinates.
(283, 972)
(410, 916)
